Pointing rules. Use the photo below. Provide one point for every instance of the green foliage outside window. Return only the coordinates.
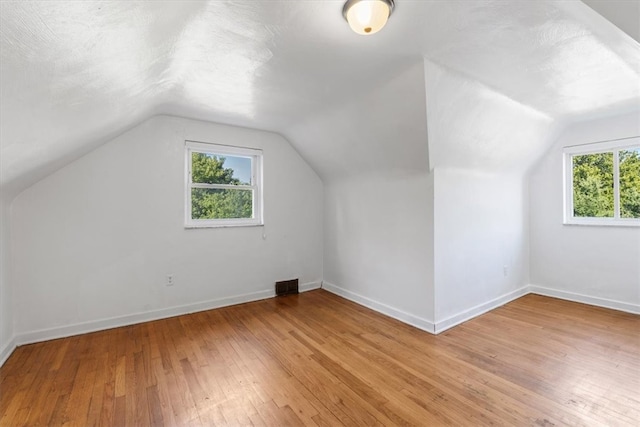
(593, 185)
(630, 183)
(207, 203)
(593, 189)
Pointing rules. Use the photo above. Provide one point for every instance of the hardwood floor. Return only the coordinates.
(317, 359)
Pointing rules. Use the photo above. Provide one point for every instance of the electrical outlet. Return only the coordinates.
(169, 280)
(505, 270)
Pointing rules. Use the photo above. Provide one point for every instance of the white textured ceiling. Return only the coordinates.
(75, 73)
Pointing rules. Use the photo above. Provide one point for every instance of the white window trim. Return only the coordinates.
(597, 147)
(256, 185)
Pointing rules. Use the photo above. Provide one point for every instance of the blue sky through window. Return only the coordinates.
(241, 167)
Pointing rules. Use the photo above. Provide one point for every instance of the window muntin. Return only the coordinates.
(223, 185)
(602, 183)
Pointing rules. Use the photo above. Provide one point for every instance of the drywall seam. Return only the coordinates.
(479, 309)
(403, 316)
(132, 319)
(585, 299)
(7, 350)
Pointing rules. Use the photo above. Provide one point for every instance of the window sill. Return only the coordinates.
(196, 227)
(606, 223)
(223, 225)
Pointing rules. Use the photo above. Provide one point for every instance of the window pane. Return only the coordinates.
(593, 185)
(209, 203)
(630, 183)
(209, 168)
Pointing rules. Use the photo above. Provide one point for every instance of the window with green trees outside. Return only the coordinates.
(603, 183)
(224, 185)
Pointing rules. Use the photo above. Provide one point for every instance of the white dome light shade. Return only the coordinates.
(367, 16)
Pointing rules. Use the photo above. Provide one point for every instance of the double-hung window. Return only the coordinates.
(223, 185)
(602, 183)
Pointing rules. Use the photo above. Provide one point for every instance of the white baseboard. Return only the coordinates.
(468, 314)
(479, 309)
(310, 286)
(115, 322)
(7, 350)
(585, 299)
(418, 322)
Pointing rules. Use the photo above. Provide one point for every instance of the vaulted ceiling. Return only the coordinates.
(76, 73)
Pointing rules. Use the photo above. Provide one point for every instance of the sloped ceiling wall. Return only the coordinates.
(380, 132)
(558, 57)
(621, 13)
(73, 74)
(471, 126)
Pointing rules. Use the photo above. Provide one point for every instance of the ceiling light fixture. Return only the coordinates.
(367, 16)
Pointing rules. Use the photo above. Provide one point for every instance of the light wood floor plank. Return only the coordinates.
(319, 360)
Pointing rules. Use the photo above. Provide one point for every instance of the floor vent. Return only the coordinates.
(287, 287)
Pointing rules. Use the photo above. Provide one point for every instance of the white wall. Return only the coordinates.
(6, 300)
(379, 243)
(480, 227)
(600, 263)
(481, 143)
(95, 240)
(371, 152)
